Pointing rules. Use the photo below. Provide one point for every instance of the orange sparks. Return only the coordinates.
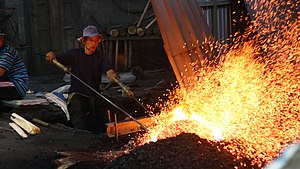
(252, 96)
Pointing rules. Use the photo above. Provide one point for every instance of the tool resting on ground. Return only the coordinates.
(58, 126)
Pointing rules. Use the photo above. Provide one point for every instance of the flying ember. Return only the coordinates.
(251, 96)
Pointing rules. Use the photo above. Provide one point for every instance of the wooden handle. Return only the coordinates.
(59, 65)
(125, 88)
(40, 122)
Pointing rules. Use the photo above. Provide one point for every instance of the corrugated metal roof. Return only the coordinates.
(180, 22)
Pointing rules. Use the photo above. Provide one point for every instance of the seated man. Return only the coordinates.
(87, 110)
(14, 78)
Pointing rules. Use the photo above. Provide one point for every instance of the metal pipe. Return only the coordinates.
(66, 70)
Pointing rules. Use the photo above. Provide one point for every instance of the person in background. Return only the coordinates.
(86, 108)
(14, 79)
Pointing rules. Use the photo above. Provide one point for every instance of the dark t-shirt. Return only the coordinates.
(88, 68)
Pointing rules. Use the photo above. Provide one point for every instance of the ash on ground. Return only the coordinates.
(186, 151)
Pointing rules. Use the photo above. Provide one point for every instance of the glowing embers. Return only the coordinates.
(182, 122)
(252, 95)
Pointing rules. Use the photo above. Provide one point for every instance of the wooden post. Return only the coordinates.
(126, 54)
(103, 47)
(116, 128)
(131, 30)
(108, 115)
(129, 53)
(122, 32)
(110, 49)
(140, 31)
(116, 55)
(114, 32)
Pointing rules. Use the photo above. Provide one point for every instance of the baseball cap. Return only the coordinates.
(90, 31)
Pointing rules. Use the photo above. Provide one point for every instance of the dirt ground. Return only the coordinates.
(52, 148)
(40, 151)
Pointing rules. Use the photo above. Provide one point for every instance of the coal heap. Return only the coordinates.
(184, 151)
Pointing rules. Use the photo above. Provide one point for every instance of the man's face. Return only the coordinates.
(1, 40)
(91, 44)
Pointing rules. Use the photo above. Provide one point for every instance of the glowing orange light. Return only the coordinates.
(252, 96)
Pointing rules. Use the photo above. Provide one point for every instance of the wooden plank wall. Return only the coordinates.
(53, 27)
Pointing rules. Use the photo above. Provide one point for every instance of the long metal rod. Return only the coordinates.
(122, 110)
(128, 92)
(134, 98)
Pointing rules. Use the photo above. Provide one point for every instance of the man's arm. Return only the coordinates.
(2, 72)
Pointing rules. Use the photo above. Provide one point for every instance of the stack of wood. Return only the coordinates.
(138, 28)
(22, 126)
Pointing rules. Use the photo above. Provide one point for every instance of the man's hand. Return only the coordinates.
(50, 56)
(112, 76)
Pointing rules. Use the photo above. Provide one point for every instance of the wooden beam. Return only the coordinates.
(7, 10)
(213, 3)
(126, 127)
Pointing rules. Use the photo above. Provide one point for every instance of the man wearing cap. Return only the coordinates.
(87, 64)
(14, 78)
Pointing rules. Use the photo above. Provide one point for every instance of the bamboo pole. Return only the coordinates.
(143, 14)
